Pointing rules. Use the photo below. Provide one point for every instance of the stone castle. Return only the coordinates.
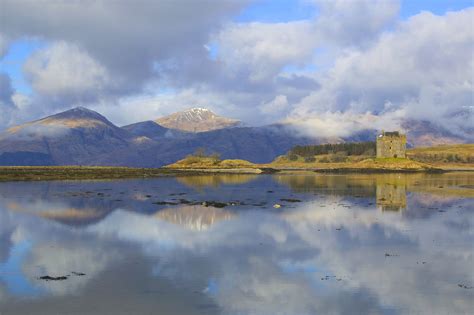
(391, 145)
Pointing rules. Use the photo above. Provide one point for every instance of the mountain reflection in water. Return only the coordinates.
(339, 244)
(196, 217)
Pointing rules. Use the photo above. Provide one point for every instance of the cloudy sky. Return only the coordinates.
(327, 64)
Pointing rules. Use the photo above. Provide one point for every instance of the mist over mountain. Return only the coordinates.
(75, 137)
(84, 137)
(425, 133)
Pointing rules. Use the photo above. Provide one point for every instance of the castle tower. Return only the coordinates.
(391, 145)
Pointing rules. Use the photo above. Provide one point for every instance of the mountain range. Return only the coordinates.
(81, 136)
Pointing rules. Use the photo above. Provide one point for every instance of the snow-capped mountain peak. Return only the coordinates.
(196, 120)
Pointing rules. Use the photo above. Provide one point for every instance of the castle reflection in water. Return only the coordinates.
(389, 190)
(391, 195)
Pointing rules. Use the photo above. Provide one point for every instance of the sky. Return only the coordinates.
(330, 67)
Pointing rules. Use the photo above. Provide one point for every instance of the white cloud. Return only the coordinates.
(276, 106)
(66, 70)
(127, 39)
(261, 50)
(36, 131)
(344, 124)
(346, 63)
(424, 66)
(354, 23)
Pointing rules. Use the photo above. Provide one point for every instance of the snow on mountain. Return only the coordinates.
(197, 120)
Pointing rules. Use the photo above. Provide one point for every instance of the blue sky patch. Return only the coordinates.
(12, 275)
(12, 63)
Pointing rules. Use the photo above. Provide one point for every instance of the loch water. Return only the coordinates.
(292, 244)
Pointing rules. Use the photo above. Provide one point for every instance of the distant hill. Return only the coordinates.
(149, 129)
(83, 137)
(196, 120)
(422, 133)
(25, 158)
(256, 144)
(78, 137)
(152, 130)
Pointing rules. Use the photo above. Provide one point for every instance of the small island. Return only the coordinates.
(388, 154)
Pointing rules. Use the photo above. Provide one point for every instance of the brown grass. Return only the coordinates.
(194, 162)
(12, 173)
(457, 154)
(366, 164)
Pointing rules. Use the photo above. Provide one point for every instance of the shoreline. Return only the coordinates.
(45, 173)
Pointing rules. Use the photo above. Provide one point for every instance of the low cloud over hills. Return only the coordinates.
(84, 137)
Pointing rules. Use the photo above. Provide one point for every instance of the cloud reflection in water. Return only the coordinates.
(336, 252)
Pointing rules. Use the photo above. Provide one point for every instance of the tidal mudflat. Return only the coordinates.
(239, 244)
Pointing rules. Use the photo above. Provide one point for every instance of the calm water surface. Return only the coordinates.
(336, 244)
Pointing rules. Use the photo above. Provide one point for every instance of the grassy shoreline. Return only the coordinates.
(351, 165)
(206, 167)
(38, 173)
(112, 173)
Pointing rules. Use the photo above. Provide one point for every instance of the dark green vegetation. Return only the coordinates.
(353, 148)
(332, 152)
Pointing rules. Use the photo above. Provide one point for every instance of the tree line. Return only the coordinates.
(352, 148)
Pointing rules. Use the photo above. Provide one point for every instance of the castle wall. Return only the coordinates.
(390, 146)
